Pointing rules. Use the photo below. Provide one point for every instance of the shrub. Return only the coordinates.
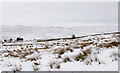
(19, 39)
(73, 36)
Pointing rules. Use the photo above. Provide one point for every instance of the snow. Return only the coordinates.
(30, 33)
(77, 66)
(24, 57)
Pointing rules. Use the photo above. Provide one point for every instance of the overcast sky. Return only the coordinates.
(60, 14)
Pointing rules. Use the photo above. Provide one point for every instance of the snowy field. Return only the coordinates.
(29, 33)
(59, 36)
(90, 53)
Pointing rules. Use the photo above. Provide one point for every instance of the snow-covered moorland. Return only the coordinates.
(89, 53)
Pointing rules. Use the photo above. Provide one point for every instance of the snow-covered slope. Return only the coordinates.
(29, 33)
(90, 53)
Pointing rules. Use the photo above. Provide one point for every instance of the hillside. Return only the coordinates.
(97, 52)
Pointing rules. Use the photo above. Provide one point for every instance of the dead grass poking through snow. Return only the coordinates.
(84, 44)
(114, 56)
(57, 66)
(17, 68)
(68, 49)
(54, 64)
(66, 59)
(35, 67)
(107, 45)
(33, 58)
(59, 51)
(9, 64)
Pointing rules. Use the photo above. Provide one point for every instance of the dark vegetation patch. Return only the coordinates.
(66, 59)
(87, 40)
(85, 44)
(107, 45)
(82, 56)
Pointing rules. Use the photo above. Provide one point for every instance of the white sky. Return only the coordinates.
(59, 13)
(59, 0)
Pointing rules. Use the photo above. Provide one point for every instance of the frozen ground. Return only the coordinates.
(90, 53)
(29, 33)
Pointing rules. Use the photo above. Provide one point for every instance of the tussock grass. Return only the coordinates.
(107, 45)
(69, 49)
(82, 55)
(59, 56)
(33, 58)
(106, 40)
(101, 62)
(77, 57)
(114, 56)
(76, 46)
(17, 68)
(51, 65)
(24, 55)
(87, 63)
(86, 54)
(36, 63)
(59, 51)
(114, 43)
(96, 59)
(87, 40)
(35, 68)
(54, 64)
(87, 51)
(66, 59)
(84, 44)
(57, 66)
(45, 47)
(9, 64)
